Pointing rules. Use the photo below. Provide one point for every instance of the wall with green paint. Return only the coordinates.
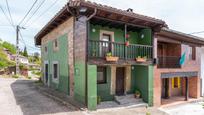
(62, 57)
(79, 79)
(143, 81)
(103, 90)
(135, 37)
(92, 87)
(118, 34)
(147, 39)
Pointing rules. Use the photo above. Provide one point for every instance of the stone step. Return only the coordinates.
(127, 99)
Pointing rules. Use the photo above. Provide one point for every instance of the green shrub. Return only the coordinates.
(15, 76)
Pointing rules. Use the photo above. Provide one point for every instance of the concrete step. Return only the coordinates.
(127, 99)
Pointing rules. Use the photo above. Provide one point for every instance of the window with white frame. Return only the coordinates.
(55, 70)
(45, 49)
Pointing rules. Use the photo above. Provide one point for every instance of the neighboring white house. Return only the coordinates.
(23, 59)
(202, 72)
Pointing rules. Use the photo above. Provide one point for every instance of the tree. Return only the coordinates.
(25, 53)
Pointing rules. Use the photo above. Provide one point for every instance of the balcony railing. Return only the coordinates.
(99, 49)
(168, 62)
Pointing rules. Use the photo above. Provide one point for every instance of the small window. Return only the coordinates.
(55, 43)
(45, 49)
(55, 70)
(192, 53)
(101, 75)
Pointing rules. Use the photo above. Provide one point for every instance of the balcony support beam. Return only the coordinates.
(125, 41)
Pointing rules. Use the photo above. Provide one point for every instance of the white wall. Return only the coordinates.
(202, 71)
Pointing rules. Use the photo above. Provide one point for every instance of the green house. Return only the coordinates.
(91, 52)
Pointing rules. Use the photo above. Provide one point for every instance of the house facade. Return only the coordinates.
(177, 73)
(91, 52)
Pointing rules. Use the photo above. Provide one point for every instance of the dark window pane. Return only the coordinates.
(55, 70)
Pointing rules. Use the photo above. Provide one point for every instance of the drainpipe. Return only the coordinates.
(87, 30)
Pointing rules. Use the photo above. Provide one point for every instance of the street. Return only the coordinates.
(19, 97)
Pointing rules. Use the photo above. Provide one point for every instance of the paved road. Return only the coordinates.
(186, 109)
(19, 97)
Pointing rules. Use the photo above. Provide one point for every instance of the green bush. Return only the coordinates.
(15, 76)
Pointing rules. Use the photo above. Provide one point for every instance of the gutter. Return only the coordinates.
(87, 30)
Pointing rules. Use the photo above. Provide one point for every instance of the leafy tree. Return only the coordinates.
(9, 46)
(25, 53)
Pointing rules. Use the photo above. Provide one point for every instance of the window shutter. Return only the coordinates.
(179, 84)
(172, 82)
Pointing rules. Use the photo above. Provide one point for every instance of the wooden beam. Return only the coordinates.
(121, 22)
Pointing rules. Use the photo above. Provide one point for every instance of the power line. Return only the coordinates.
(34, 12)
(28, 12)
(11, 19)
(26, 44)
(6, 16)
(46, 10)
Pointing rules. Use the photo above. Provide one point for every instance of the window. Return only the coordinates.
(101, 75)
(55, 45)
(45, 49)
(176, 82)
(192, 53)
(55, 70)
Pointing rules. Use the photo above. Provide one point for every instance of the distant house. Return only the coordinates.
(22, 59)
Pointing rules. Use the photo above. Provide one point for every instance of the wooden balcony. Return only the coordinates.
(168, 62)
(98, 49)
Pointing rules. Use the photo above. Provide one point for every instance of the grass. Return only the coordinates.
(39, 82)
(15, 76)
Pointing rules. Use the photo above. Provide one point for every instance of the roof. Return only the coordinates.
(102, 11)
(180, 36)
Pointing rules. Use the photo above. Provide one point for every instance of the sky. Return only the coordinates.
(181, 15)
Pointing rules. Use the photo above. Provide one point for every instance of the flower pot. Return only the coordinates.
(111, 58)
(141, 59)
(137, 96)
(127, 43)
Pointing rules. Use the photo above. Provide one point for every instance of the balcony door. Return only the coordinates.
(106, 38)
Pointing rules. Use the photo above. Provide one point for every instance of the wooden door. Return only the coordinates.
(165, 88)
(120, 72)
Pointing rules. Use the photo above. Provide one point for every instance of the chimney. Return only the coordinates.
(129, 10)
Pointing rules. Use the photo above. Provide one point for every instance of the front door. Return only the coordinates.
(120, 80)
(165, 88)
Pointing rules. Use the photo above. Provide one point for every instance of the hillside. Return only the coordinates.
(4, 61)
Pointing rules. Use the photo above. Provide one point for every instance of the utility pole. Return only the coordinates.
(17, 50)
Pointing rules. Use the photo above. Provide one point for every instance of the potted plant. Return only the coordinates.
(141, 59)
(137, 94)
(98, 99)
(109, 57)
(94, 53)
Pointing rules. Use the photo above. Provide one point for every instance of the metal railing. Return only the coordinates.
(168, 62)
(99, 49)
